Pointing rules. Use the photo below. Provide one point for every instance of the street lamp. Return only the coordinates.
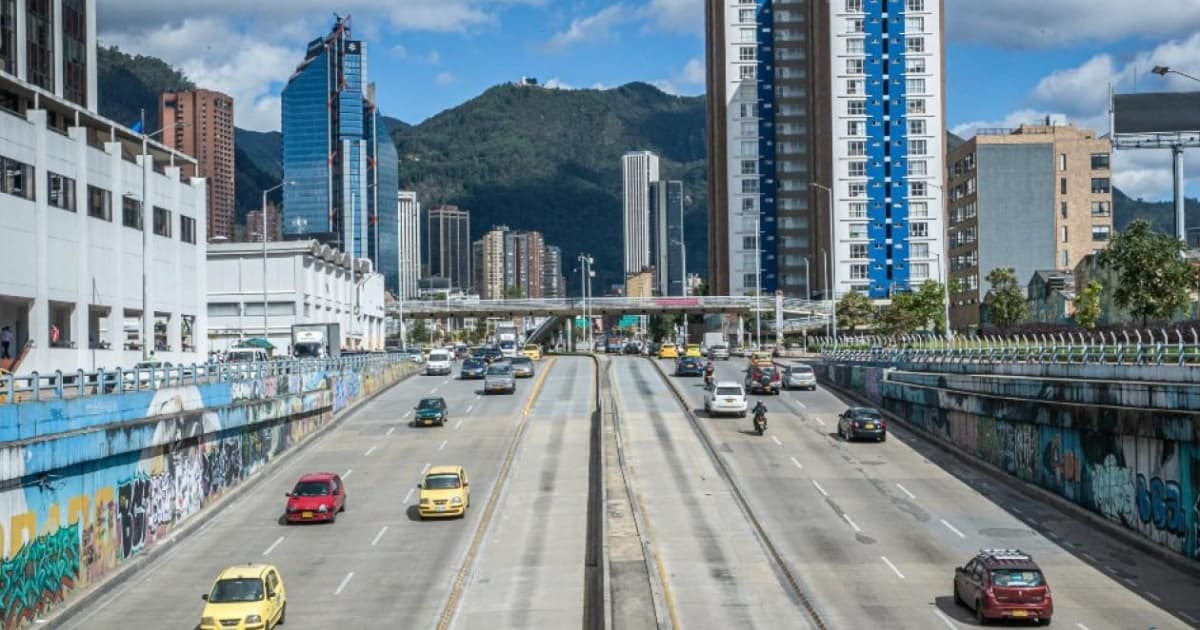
(585, 286)
(1163, 71)
(831, 262)
(757, 281)
(264, 249)
(945, 296)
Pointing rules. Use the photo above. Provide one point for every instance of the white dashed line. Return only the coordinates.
(819, 421)
(345, 581)
(469, 408)
(852, 523)
(953, 529)
(797, 463)
(427, 465)
(905, 491)
(1082, 627)
(1109, 569)
(433, 391)
(408, 413)
(1015, 510)
(409, 495)
(369, 451)
(946, 620)
(347, 473)
(1153, 596)
(443, 444)
(379, 536)
(777, 442)
(892, 567)
(819, 488)
(458, 424)
(273, 545)
(1188, 617)
(391, 430)
(446, 382)
(1131, 581)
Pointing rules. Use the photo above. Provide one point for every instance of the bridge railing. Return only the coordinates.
(650, 304)
(1140, 347)
(32, 387)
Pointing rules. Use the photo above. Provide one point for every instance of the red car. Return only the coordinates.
(316, 497)
(1004, 584)
(763, 378)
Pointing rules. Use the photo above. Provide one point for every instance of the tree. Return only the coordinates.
(662, 327)
(419, 332)
(1087, 305)
(903, 316)
(1153, 278)
(1006, 301)
(930, 305)
(854, 310)
(513, 292)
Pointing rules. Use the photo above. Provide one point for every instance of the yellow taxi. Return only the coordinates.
(761, 357)
(245, 597)
(533, 351)
(668, 351)
(692, 350)
(445, 492)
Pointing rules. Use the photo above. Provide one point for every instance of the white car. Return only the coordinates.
(439, 363)
(798, 376)
(727, 397)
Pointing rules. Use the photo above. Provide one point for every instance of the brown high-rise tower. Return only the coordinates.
(200, 124)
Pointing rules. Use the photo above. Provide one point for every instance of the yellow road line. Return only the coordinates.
(501, 478)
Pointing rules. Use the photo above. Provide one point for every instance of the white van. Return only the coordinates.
(439, 363)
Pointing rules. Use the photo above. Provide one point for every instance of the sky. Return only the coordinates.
(1007, 61)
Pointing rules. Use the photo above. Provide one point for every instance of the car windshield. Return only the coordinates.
(442, 482)
(1017, 578)
(430, 403)
(507, 344)
(499, 370)
(473, 363)
(236, 590)
(729, 391)
(311, 489)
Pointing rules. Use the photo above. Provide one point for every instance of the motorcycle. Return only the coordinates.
(760, 423)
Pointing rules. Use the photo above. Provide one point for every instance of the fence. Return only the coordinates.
(36, 387)
(1137, 347)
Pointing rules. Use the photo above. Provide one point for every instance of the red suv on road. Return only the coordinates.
(1003, 584)
(763, 378)
(316, 497)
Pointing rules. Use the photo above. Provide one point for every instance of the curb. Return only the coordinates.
(1177, 561)
(132, 567)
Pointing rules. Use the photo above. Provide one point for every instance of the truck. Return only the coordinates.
(714, 338)
(316, 341)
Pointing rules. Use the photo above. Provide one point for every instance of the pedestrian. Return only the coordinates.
(6, 339)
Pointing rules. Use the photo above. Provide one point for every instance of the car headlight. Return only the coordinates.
(322, 508)
(292, 508)
(253, 618)
(208, 621)
(455, 500)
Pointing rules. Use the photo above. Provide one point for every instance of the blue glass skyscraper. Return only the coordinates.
(341, 169)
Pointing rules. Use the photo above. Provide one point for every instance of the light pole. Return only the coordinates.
(945, 297)
(1177, 164)
(585, 288)
(807, 278)
(264, 250)
(830, 261)
(757, 281)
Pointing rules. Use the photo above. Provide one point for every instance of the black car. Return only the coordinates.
(632, 348)
(862, 422)
(489, 354)
(473, 368)
(689, 366)
(431, 411)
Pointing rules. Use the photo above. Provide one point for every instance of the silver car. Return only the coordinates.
(719, 352)
(500, 379)
(799, 377)
(522, 367)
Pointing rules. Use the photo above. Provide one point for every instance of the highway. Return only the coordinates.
(874, 530)
(379, 561)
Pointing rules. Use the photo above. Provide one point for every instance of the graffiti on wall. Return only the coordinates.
(41, 574)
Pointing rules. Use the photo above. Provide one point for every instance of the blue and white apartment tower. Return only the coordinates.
(339, 164)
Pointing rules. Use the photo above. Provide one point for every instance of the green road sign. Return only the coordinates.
(629, 321)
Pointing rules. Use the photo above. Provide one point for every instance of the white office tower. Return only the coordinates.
(409, 213)
(638, 170)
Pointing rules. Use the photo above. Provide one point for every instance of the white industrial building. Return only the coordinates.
(72, 214)
(306, 283)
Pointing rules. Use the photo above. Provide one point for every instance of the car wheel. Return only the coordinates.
(958, 601)
(979, 617)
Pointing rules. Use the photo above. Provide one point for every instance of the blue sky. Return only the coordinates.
(1008, 61)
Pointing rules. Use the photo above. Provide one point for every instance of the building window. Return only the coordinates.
(749, 147)
(746, 15)
(918, 168)
(749, 243)
(1101, 232)
(162, 222)
(854, 6)
(915, 86)
(919, 229)
(856, 107)
(1062, 185)
(854, 66)
(919, 250)
(18, 179)
(858, 272)
(1062, 209)
(914, 44)
(746, 73)
(748, 204)
(859, 251)
(856, 148)
(749, 186)
(916, 106)
(1063, 234)
(1101, 208)
(854, 87)
(857, 25)
(99, 203)
(749, 167)
(131, 212)
(1062, 162)
(856, 46)
(858, 189)
(750, 280)
(1100, 161)
(747, 110)
(858, 210)
(918, 210)
(746, 53)
(187, 229)
(916, 6)
(856, 128)
(917, 189)
(915, 65)
(1066, 258)
(1101, 185)
(914, 24)
(916, 127)
(917, 147)
(858, 230)
(39, 49)
(858, 169)
(60, 191)
(919, 271)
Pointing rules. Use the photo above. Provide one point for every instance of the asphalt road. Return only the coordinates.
(379, 562)
(874, 530)
(715, 572)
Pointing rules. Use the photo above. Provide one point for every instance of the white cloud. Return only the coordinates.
(688, 81)
(679, 16)
(1058, 23)
(556, 84)
(433, 58)
(595, 27)
(399, 51)
(444, 78)
(693, 72)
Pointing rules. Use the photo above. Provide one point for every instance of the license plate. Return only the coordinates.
(441, 508)
(428, 422)
(869, 426)
(306, 514)
(1020, 613)
(728, 400)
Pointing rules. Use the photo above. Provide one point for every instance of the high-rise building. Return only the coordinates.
(341, 167)
(638, 170)
(554, 284)
(56, 53)
(448, 238)
(200, 124)
(1034, 198)
(254, 225)
(409, 213)
(813, 101)
(667, 248)
(492, 264)
(523, 263)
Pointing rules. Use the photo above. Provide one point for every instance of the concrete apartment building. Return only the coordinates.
(638, 170)
(516, 261)
(1034, 198)
(489, 264)
(200, 124)
(409, 216)
(447, 235)
(554, 284)
(274, 225)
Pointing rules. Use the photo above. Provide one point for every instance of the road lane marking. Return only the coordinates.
(777, 442)
(1131, 581)
(797, 463)
(1188, 617)
(347, 473)
(379, 535)
(819, 421)
(443, 444)
(953, 529)
(892, 567)
(946, 620)
(445, 381)
(905, 491)
(391, 430)
(819, 488)
(846, 516)
(407, 413)
(433, 391)
(409, 495)
(345, 581)
(1082, 627)
(469, 408)
(427, 465)
(458, 424)
(1153, 596)
(1087, 555)
(273, 545)
(369, 451)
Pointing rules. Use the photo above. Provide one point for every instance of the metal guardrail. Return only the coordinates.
(629, 304)
(1139, 348)
(35, 387)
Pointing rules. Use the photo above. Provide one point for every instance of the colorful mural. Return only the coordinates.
(69, 526)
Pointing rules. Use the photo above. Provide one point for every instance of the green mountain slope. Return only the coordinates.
(1160, 214)
(129, 83)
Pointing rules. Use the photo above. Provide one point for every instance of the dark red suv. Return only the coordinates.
(1004, 584)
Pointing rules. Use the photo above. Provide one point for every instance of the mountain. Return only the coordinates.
(131, 83)
(536, 158)
(1160, 214)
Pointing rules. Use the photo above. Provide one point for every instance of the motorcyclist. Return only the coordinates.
(708, 372)
(760, 411)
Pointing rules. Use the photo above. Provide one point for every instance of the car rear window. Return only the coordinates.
(473, 363)
(442, 482)
(1017, 578)
(729, 391)
(499, 370)
(522, 361)
(439, 356)
(311, 489)
(801, 369)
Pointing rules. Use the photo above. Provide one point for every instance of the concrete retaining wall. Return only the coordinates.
(123, 471)
(1125, 451)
